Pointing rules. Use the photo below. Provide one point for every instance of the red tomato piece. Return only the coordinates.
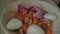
(48, 31)
(22, 16)
(35, 20)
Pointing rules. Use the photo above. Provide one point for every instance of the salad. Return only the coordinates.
(31, 20)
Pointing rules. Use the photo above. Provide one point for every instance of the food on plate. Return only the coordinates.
(46, 24)
(49, 24)
(35, 29)
(13, 13)
(20, 31)
(31, 20)
(44, 12)
(48, 31)
(24, 27)
(35, 19)
(26, 20)
(37, 12)
(50, 16)
(14, 24)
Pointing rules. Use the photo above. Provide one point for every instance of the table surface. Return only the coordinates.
(4, 3)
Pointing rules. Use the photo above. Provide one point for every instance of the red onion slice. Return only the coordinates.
(39, 15)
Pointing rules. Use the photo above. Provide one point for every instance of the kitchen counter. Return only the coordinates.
(4, 3)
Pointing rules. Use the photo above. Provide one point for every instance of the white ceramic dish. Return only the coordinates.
(13, 6)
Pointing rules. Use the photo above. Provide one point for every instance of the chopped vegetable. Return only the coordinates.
(22, 16)
(35, 20)
(13, 13)
(20, 31)
(43, 25)
(32, 15)
(39, 15)
(48, 31)
(31, 21)
(49, 25)
(24, 27)
(26, 20)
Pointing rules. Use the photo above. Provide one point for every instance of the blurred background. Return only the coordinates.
(4, 3)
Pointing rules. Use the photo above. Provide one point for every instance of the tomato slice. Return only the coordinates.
(35, 20)
(22, 16)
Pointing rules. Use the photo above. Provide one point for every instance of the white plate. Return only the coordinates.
(52, 9)
(49, 7)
